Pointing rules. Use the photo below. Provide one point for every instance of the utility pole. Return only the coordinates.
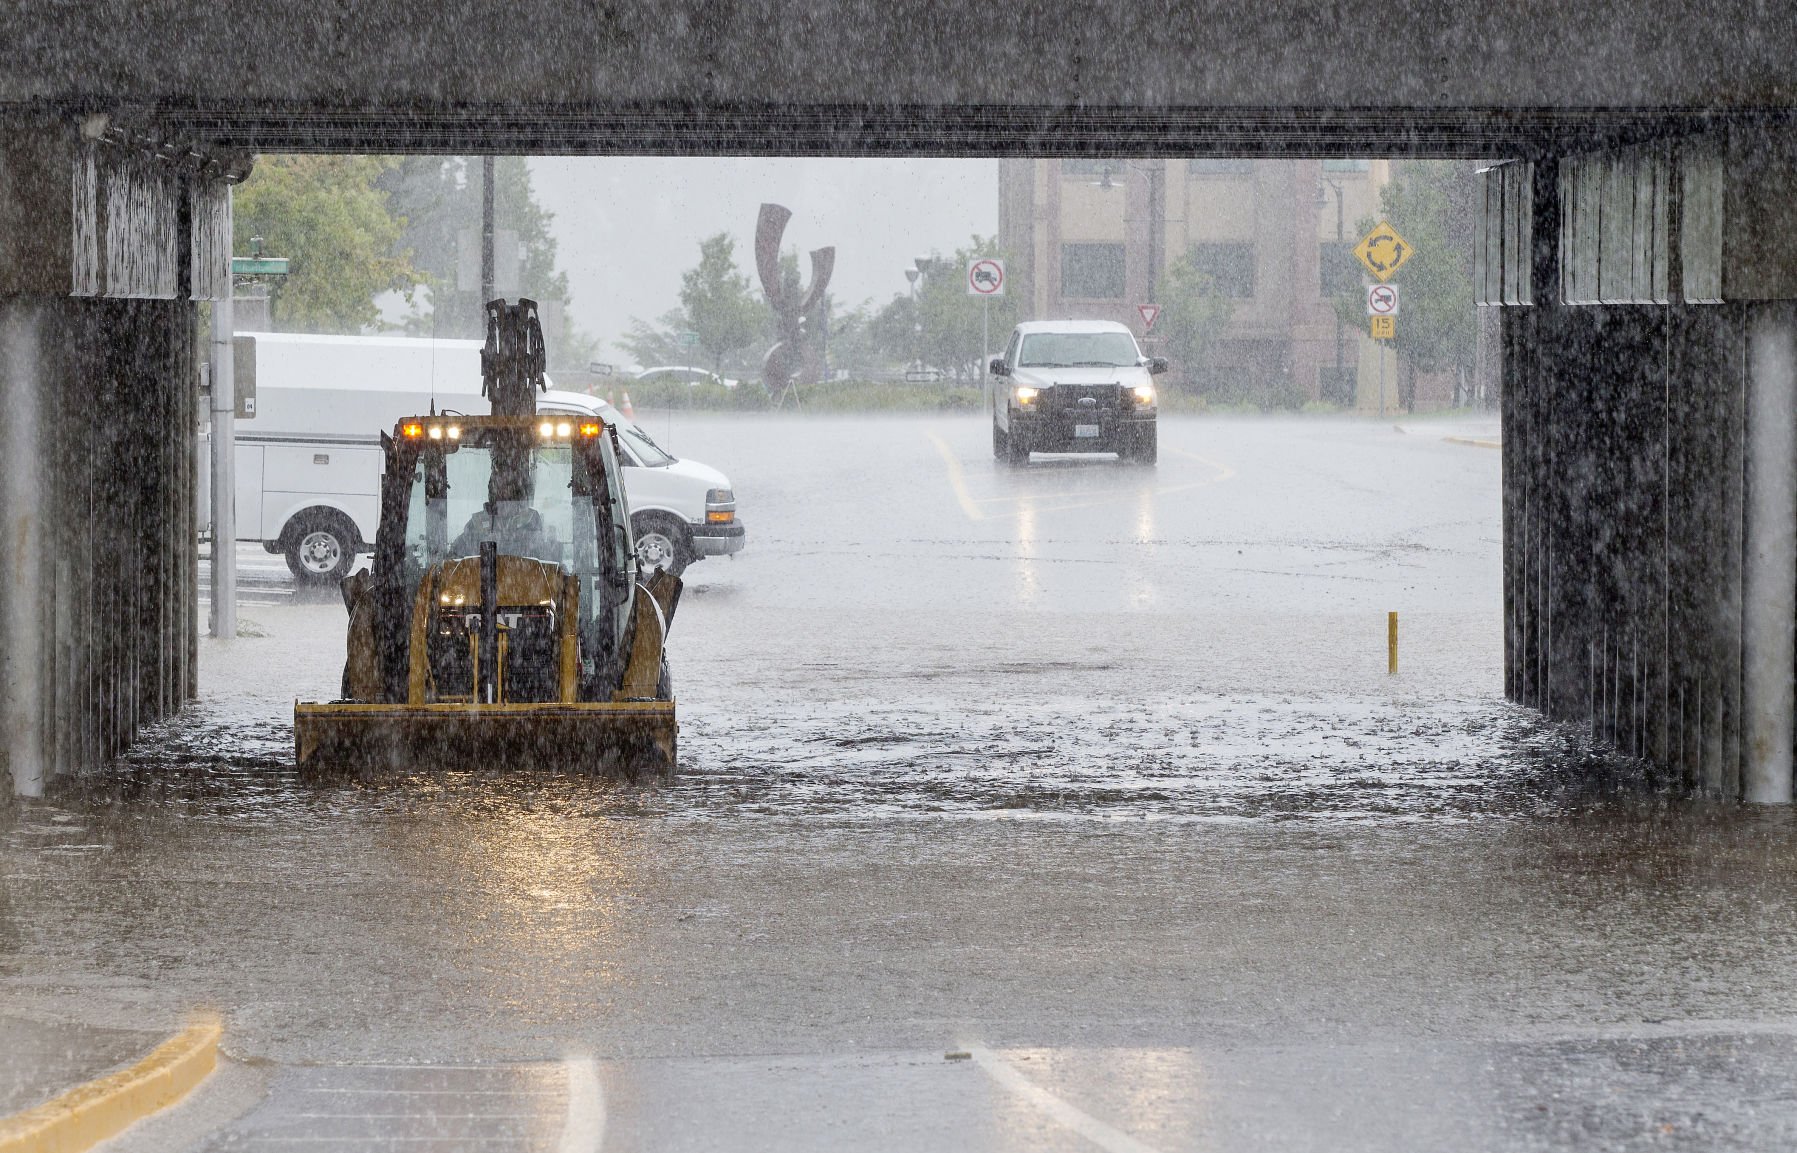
(486, 232)
(224, 467)
(223, 437)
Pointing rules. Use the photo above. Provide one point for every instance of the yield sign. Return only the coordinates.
(1383, 251)
(1150, 313)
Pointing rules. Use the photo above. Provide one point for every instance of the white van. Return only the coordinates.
(309, 460)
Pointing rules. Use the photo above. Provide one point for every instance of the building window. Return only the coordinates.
(1092, 271)
(1347, 165)
(1212, 166)
(1092, 168)
(1230, 267)
(1338, 273)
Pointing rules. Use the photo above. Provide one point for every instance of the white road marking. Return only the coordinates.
(1091, 1128)
(585, 1130)
(957, 480)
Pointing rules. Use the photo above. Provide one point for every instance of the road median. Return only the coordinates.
(92, 1112)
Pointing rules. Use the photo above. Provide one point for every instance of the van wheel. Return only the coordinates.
(660, 543)
(321, 547)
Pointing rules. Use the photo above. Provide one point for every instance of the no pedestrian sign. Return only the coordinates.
(1382, 300)
(985, 277)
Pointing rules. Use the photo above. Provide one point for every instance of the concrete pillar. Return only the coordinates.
(22, 547)
(1769, 556)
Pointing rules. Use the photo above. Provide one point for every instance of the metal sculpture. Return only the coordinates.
(790, 356)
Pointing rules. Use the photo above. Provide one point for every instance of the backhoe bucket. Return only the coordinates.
(630, 739)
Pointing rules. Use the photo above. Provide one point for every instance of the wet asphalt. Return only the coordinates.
(1069, 807)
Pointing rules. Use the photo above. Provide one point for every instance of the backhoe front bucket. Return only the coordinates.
(631, 739)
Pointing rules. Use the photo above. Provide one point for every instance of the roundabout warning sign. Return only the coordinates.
(1383, 251)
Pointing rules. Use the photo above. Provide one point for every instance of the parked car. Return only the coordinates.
(1073, 386)
(685, 374)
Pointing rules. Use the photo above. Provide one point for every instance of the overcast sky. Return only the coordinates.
(628, 227)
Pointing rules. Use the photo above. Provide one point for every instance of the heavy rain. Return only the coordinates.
(696, 584)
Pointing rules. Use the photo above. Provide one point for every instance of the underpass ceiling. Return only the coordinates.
(874, 77)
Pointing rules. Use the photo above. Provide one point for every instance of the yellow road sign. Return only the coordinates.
(1383, 251)
(1385, 328)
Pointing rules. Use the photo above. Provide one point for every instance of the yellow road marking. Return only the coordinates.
(957, 479)
(1224, 472)
(88, 1114)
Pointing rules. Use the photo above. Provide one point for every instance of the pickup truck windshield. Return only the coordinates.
(1078, 350)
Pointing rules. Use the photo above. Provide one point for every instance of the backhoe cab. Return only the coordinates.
(502, 623)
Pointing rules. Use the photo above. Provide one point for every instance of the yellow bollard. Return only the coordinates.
(1391, 643)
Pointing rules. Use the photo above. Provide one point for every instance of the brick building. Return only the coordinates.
(1090, 238)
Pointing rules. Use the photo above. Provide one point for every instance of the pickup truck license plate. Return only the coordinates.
(1085, 430)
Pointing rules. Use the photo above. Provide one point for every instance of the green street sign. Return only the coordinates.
(258, 266)
(689, 340)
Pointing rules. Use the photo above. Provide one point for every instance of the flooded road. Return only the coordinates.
(1068, 807)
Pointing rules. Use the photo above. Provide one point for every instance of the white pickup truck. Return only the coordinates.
(309, 460)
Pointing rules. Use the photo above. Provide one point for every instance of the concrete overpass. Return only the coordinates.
(1639, 243)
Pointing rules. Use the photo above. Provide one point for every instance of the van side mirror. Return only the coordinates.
(1157, 365)
(999, 367)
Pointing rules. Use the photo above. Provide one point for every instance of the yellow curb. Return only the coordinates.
(1476, 443)
(88, 1114)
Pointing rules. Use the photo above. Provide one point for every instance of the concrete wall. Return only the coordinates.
(98, 418)
(98, 635)
(1650, 494)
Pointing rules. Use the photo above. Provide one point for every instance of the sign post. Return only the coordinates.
(1382, 252)
(985, 279)
(223, 438)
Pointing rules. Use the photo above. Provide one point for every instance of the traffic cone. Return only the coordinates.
(611, 398)
(629, 413)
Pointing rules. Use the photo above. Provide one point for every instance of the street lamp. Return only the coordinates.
(1340, 239)
(1156, 171)
(911, 274)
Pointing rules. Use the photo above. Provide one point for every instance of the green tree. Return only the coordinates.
(1432, 204)
(440, 199)
(725, 313)
(331, 217)
(946, 327)
(658, 343)
(1193, 314)
(854, 345)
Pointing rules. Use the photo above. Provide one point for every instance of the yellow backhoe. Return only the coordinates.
(502, 624)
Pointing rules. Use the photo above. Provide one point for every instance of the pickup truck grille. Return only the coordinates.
(1071, 398)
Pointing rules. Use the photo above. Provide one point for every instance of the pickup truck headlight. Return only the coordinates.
(1144, 394)
(1024, 394)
